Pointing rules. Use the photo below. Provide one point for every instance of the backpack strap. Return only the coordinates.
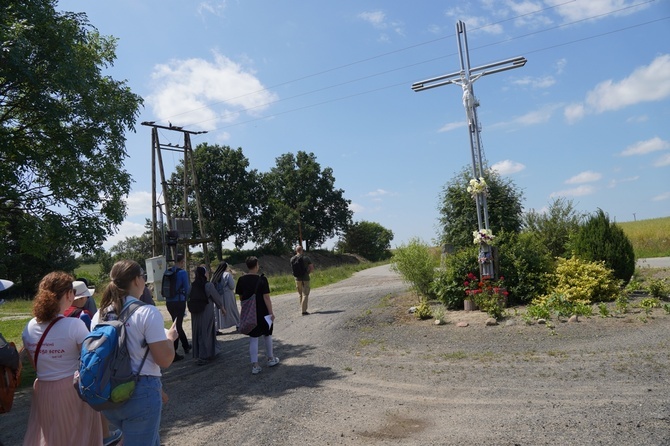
(129, 308)
(44, 335)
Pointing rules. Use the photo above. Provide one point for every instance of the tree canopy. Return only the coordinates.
(62, 132)
(458, 212)
(229, 193)
(368, 239)
(300, 201)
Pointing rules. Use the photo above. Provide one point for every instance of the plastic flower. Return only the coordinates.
(477, 186)
(482, 236)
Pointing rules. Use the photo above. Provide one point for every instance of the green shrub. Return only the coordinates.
(416, 263)
(558, 304)
(448, 283)
(600, 240)
(581, 281)
(423, 311)
(525, 263)
(658, 288)
(649, 304)
(621, 303)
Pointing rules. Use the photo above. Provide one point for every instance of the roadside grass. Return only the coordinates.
(650, 238)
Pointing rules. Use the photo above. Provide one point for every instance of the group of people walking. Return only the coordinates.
(53, 342)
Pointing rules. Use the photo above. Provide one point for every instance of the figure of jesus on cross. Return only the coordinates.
(465, 78)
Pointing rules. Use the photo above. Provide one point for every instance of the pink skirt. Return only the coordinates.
(59, 417)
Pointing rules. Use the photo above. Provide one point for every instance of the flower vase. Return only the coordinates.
(469, 302)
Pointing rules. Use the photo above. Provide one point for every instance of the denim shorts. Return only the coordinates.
(140, 418)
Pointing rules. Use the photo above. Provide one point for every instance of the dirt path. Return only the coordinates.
(359, 370)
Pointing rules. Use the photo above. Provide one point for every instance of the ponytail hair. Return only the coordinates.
(121, 277)
(51, 289)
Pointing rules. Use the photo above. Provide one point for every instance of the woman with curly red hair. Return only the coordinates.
(54, 343)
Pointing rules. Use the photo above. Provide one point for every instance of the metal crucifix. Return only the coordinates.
(465, 78)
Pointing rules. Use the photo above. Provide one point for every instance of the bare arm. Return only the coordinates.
(163, 351)
(268, 303)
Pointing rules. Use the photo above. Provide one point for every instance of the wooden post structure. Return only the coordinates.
(189, 172)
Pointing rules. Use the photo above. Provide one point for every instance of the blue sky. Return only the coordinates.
(587, 118)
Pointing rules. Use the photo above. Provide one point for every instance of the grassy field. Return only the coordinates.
(650, 238)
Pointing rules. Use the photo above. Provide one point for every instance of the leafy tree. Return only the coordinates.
(137, 248)
(600, 240)
(554, 227)
(229, 194)
(62, 133)
(458, 212)
(368, 239)
(300, 201)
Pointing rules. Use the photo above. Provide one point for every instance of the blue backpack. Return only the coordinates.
(105, 379)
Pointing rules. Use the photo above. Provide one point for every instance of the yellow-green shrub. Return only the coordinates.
(581, 281)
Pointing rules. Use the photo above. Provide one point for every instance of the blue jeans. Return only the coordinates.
(140, 418)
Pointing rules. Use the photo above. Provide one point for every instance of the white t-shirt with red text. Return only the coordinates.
(59, 354)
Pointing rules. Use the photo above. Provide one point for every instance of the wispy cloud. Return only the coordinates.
(535, 82)
(533, 117)
(575, 192)
(643, 147)
(452, 126)
(356, 208)
(615, 182)
(662, 197)
(377, 193)
(206, 93)
(573, 11)
(663, 161)
(584, 177)
(646, 84)
(508, 167)
(380, 21)
(212, 7)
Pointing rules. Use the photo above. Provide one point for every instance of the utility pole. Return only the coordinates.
(465, 78)
(190, 181)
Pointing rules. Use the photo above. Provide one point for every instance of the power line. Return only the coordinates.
(408, 81)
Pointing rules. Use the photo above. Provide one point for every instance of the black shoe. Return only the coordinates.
(177, 357)
(218, 333)
(187, 349)
(305, 313)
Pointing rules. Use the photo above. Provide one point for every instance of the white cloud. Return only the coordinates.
(584, 177)
(452, 126)
(648, 83)
(508, 167)
(379, 20)
(139, 204)
(574, 112)
(636, 119)
(212, 7)
(560, 65)
(643, 147)
(614, 183)
(472, 23)
(576, 192)
(377, 193)
(204, 94)
(355, 207)
(534, 117)
(127, 229)
(375, 18)
(663, 161)
(662, 197)
(580, 10)
(535, 82)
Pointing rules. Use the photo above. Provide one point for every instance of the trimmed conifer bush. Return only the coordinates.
(600, 240)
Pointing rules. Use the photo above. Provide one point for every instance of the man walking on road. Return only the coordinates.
(176, 304)
(301, 266)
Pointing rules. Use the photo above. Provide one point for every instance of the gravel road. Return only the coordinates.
(360, 371)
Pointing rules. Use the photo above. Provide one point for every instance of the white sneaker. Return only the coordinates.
(273, 362)
(255, 370)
